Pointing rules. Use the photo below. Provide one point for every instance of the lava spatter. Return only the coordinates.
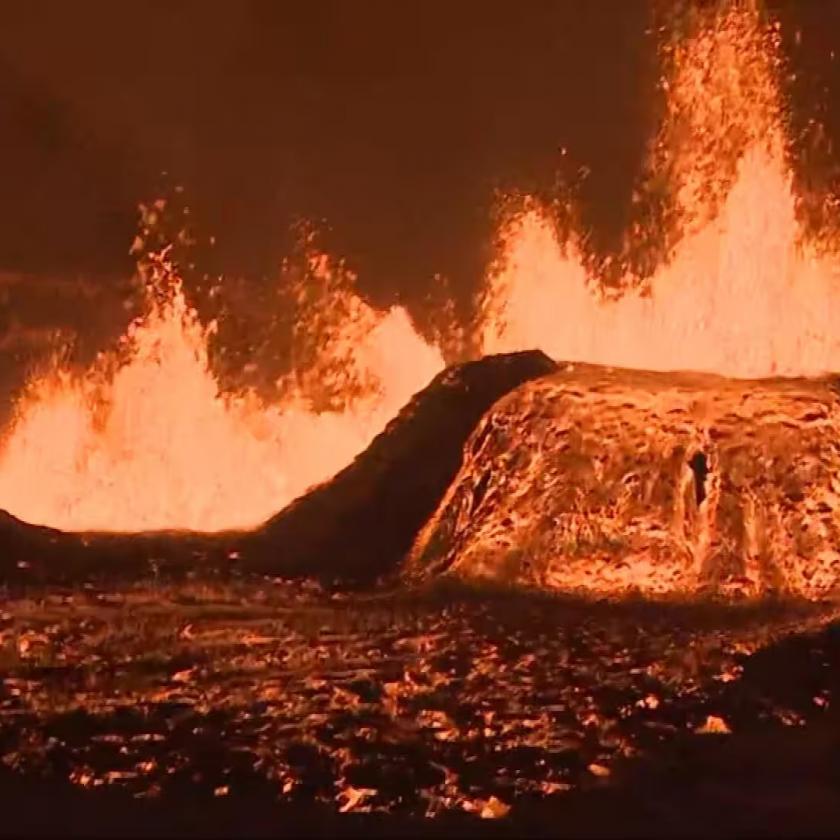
(738, 288)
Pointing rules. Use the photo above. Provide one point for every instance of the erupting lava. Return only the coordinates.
(740, 291)
(150, 442)
(156, 445)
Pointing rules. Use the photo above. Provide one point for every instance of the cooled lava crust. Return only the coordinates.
(269, 709)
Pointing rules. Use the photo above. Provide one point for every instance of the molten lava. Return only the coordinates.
(613, 481)
(146, 440)
(740, 291)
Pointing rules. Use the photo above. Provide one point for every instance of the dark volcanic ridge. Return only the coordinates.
(354, 528)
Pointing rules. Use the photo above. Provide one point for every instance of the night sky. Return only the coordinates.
(389, 122)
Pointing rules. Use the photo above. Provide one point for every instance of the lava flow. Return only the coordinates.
(612, 481)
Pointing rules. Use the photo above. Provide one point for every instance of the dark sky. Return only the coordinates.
(392, 120)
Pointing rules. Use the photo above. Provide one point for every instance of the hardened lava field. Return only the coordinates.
(447, 701)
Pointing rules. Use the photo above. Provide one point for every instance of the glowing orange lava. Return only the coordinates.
(154, 444)
(150, 442)
(742, 292)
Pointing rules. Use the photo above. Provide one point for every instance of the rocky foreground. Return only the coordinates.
(270, 709)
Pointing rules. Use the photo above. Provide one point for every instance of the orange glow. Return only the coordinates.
(619, 482)
(739, 291)
(146, 440)
(149, 442)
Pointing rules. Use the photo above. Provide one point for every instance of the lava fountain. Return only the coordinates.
(740, 290)
(648, 480)
(146, 440)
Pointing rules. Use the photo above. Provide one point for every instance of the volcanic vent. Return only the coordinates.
(619, 481)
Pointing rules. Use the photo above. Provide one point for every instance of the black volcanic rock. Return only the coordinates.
(39, 555)
(354, 528)
(358, 525)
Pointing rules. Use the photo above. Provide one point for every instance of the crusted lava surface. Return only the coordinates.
(613, 480)
(261, 701)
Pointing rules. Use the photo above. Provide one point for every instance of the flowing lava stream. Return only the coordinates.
(150, 442)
